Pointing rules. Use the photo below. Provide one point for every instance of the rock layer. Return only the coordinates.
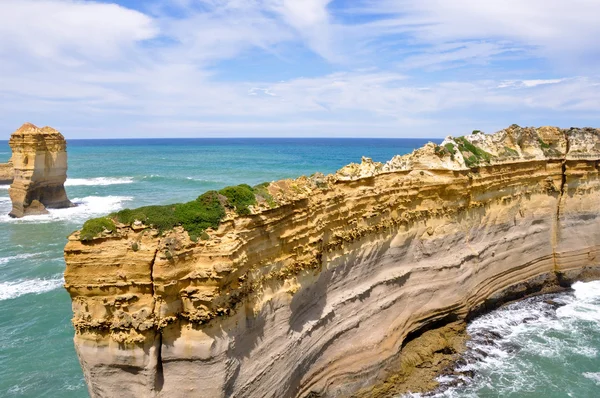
(317, 296)
(39, 160)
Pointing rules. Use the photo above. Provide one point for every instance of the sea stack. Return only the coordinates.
(39, 161)
(6, 173)
(319, 286)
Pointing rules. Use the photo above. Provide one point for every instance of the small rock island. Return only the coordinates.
(37, 171)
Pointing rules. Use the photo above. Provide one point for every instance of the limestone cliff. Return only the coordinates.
(39, 160)
(316, 288)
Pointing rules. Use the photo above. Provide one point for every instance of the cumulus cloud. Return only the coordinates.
(66, 30)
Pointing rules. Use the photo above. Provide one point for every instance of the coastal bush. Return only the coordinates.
(195, 216)
(95, 226)
(239, 197)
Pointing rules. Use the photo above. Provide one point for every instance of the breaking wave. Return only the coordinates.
(98, 181)
(11, 290)
(87, 207)
(514, 349)
(5, 260)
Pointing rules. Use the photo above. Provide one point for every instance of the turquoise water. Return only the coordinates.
(37, 358)
(537, 351)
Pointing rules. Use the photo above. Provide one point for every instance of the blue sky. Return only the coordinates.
(297, 68)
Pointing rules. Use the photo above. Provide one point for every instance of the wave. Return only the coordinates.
(98, 181)
(11, 290)
(595, 377)
(4, 187)
(87, 207)
(508, 345)
(4, 260)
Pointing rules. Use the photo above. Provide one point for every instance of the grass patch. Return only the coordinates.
(543, 144)
(451, 148)
(95, 226)
(477, 155)
(510, 151)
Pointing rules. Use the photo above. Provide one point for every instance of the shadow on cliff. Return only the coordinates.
(308, 306)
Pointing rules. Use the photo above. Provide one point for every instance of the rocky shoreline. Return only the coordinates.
(318, 286)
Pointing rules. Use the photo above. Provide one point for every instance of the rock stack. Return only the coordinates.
(39, 161)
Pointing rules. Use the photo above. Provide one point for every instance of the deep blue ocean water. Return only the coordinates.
(37, 358)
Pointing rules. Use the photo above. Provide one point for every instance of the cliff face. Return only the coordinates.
(39, 162)
(316, 295)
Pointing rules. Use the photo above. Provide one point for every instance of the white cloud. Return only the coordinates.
(554, 28)
(66, 30)
(97, 68)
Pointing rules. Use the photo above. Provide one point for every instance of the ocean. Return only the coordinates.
(538, 349)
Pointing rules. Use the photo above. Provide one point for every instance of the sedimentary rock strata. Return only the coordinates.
(39, 161)
(316, 292)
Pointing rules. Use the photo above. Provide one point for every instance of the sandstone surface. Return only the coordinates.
(316, 293)
(39, 161)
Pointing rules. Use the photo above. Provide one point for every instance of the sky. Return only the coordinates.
(297, 68)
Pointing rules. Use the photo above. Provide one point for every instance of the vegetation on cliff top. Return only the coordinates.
(195, 216)
(472, 154)
(96, 226)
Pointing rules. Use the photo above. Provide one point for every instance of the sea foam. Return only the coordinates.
(508, 344)
(14, 289)
(87, 207)
(5, 260)
(98, 181)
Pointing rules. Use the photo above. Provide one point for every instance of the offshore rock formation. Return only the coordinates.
(6, 173)
(317, 293)
(39, 161)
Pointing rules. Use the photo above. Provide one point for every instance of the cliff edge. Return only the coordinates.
(39, 162)
(312, 287)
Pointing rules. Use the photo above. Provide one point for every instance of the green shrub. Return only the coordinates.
(476, 132)
(239, 198)
(195, 216)
(206, 211)
(91, 228)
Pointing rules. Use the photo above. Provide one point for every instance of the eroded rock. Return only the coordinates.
(39, 162)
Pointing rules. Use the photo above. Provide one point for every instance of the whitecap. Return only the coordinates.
(4, 260)
(98, 181)
(87, 207)
(4, 187)
(11, 290)
(595, 377)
